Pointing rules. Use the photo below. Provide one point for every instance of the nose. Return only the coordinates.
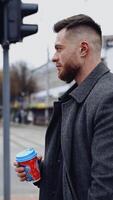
(55, 58)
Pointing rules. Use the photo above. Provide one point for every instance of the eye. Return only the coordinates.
(58, 48)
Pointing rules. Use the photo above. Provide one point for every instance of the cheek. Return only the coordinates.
(63, 58)
(75, 58)
(66, 55)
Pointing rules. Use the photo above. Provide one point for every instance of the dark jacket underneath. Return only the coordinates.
(86, 117)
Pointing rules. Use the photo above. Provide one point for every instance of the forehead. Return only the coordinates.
(68, 37)
(61, 37)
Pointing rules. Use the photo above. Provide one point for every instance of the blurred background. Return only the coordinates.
(34, 82)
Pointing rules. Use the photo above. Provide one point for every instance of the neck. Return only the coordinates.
(85, 70)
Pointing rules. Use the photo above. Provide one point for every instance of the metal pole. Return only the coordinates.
(6, 124)
(6, 110)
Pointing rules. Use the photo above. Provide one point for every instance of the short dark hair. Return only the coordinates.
(76, 21)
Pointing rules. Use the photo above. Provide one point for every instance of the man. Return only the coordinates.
(78, 162)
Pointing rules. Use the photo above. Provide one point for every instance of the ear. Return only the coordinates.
(84, 47)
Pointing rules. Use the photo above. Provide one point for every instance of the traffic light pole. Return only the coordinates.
(6, 110)
(6, 124)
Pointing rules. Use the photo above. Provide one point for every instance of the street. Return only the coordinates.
(21, 137)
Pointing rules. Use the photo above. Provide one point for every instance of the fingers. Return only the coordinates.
(22, 176)
(16, 164)
(20, 171)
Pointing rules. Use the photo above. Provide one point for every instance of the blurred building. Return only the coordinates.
(107, 51)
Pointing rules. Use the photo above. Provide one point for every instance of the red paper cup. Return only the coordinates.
(28, 159)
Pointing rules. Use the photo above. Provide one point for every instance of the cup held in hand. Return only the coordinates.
(28, 159)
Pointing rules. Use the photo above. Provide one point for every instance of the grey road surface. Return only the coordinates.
(21, 137)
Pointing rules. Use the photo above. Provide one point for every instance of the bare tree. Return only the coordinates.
(22, 81)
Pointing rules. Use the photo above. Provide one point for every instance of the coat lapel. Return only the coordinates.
(68, 108)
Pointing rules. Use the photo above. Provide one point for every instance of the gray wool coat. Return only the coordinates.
(85, 113)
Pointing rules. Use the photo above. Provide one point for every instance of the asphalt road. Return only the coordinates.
(21, 137)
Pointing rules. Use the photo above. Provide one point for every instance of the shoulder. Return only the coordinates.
(101, 95)
(103, 88)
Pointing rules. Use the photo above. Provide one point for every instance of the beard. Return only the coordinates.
(68, 73)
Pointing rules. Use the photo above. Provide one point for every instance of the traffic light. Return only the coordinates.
(16, 11)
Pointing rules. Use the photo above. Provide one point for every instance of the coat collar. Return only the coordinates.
(79, 93)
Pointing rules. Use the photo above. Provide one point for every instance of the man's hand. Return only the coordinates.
(20, 171)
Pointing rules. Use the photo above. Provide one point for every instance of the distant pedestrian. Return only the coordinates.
(30, 117)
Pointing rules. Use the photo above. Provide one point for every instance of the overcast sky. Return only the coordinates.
(33, 49)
